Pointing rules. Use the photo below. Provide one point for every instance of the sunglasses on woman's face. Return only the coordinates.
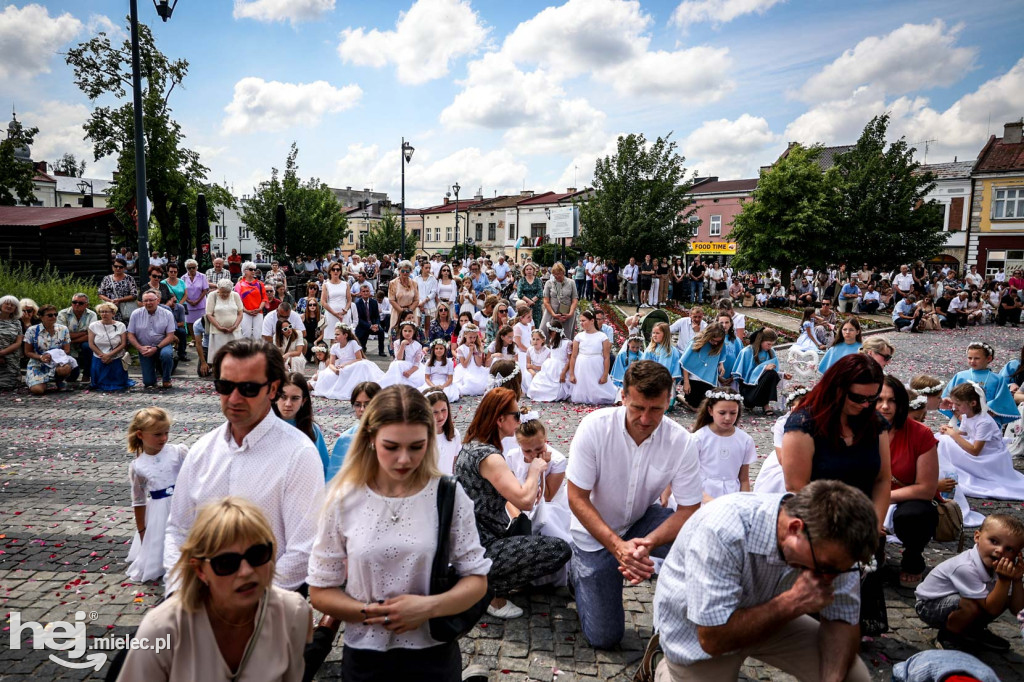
(229, 562)
(862, 399)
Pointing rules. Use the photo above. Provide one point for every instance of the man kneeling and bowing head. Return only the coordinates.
(748, 569)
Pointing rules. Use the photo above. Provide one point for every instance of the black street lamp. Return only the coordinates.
(456, 189)
(164, 9)
(86, 200)
(407, 150)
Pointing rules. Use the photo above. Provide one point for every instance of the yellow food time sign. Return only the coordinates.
(716, 248)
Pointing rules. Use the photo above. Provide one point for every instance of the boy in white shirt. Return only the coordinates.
(962, 595)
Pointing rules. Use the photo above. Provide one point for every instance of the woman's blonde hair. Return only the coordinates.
(711, 331)
(876, 344)
(106, 305)
(666, 338)
(398, 404)
(29, 303)
(218, 525)
(557, 268)
(146, 419)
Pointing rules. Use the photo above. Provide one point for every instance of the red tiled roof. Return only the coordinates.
(449, 207)
(996, 157)
(43, 177)
(548, 198)
(725, 186)
(43, 218)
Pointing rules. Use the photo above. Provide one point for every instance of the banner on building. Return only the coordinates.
(713, 248)
(562, 223)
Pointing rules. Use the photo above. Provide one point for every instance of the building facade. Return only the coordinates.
(952, 191)
(996, 237)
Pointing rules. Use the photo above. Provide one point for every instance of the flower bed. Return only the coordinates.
(866, 323)
(614, 317)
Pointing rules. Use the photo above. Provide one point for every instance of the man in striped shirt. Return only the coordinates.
(747, 571)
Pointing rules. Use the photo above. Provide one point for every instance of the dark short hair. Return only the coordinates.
(155, 268)
(902, 400)
(833, 511)
(242, 349)
(120, 261)
(650, 378)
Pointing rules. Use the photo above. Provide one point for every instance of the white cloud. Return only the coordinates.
(30, 37)
(426, 39)
(717, 11)
(282, 10)
(60, 131)
(531, 106)
(608, 39)
(960, 130)
(272, 105)
(913, 57)
(729, 149)
(115, 32)
(579, 173)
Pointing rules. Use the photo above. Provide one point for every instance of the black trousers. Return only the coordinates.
(868, 307)
(441, 663)
(914, 523)
(697, 390)
(763, 392)
(1003, 316)
(363, 335)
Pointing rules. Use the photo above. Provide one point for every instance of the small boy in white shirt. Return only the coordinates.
(962, 595)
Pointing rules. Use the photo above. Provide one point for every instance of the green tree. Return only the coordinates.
(16, 175)
(315, 223)
(549, 254)
(785, 224)
(69, 165)
(386, 237)
(876, 202)
(172, 171)
(640, 203)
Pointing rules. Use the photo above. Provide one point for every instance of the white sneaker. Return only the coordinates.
(508, 612)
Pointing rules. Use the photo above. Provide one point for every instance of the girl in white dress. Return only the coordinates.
(550, 515)
(153, 473)
(770, 478)
(549, 384)
(976, 449)
(326, 374)
(807, 341)
(335, 301)
(467, 297)
(588, 365)
(504, 347)
(405, 368)
(535, 357)
(471, 359)
(350, 365)
(521, 332)
(724, 451)
(449, 440)
(439, 371)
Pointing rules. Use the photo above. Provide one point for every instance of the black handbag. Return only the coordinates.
(443, 576)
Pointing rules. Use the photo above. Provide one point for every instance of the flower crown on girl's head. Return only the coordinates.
(555, 327)
(497, 380)
(528, 416)
(798, 393)
(635, 337)
(407, 323)
(930, 390)
(346, 327)
(319, 348)
(983, 346)
(919, 402)
(438, 342)
(723, 395)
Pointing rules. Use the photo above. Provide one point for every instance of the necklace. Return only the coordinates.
(396, 511)
(228, 622)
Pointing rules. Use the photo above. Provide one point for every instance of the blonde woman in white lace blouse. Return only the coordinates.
(377, 537)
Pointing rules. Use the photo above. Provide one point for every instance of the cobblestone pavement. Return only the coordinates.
(65, 525)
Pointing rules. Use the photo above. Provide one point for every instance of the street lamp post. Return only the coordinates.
(86, 200)
(456, 189)
(407, 150)
(164, 9)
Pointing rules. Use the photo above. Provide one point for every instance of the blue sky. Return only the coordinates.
(504, 96)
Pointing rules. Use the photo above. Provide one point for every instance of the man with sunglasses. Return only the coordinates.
(77, 319)
(746, 573)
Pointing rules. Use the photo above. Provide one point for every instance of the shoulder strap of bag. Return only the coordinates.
(254, 639)
(445, 511)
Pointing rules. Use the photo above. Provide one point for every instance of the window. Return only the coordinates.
(448, 234)
(716, 226)
(511, 231)
(479, 232)
(1008, 260)
(221, 231)
(416, 233)
(694, 225)
(362, 240)
(492, 231)
(244, 233)
(537, 230)
(1008, 203)
(437, 234)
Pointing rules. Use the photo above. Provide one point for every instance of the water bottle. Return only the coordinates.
(956, 479)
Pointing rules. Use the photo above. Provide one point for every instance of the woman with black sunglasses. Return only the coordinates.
(226, 620)
(837, 434)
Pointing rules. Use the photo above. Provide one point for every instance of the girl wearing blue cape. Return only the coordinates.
(1012, 373)
(702, 365)
(732, 346)
(757, 369)
(997, 392)
(847, 342)
(626, 357)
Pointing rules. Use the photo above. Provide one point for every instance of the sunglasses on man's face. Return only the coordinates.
(229, 562)
(247, 389)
